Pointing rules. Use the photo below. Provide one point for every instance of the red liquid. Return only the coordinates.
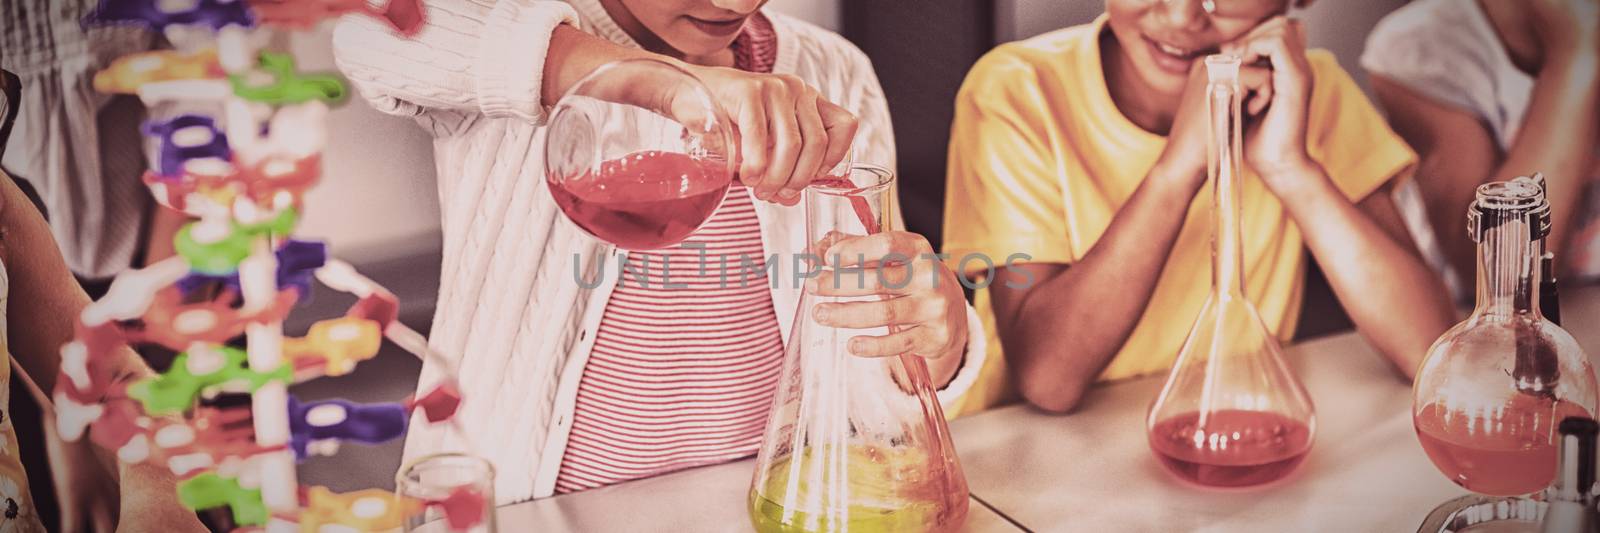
(1236, 448)
(1509, 456)
(646, 200)
(859, 204)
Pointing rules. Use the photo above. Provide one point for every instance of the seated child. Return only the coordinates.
(1085, 148)
(1488, 91)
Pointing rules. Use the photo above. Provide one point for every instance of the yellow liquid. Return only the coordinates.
(887, 494)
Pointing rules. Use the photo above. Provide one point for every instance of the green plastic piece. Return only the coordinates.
(209, 491)
(287, 86)
(222, 258)
(219, 258)
(176, 390)
(279, 225)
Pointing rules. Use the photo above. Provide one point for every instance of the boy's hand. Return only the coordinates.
(1276, 80)
(1183, 162)
(922, 303)
(787, 133)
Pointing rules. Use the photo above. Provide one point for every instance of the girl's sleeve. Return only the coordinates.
(472, 56)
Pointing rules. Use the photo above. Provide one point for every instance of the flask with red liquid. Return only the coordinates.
(638, 154)
(1494, 389)
(1231, 414)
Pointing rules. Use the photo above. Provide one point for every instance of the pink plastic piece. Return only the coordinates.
(177, 325)
(121, 420)
(85, 373)
(464, 508)
(440, 404)
(405, 16)
(381, 306)
(218, 434)
(270, 183)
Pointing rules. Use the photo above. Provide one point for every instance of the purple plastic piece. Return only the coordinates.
(173, 156)
(298, 262)
(213, 14)
(364, 423)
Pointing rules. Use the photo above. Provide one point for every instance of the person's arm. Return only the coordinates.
(1374, 269)
(1369, 259)
(1100, 297)
(1557, 135)
(472, 56)
(43, 307)
(1459, 152)
(510, 59)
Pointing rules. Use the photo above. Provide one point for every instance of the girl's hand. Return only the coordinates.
(922, 303)
(787, 133)
(1276, 80)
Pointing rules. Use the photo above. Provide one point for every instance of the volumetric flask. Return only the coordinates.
(1231, 414)
(638, 154)
(853, 444)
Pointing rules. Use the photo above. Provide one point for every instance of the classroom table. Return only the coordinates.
(1092, 470)
(703, 500)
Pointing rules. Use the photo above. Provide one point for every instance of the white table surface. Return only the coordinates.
(1092, 470)
(703, 500)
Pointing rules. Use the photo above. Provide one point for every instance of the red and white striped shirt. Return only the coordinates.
(683, 377)
(680, 377)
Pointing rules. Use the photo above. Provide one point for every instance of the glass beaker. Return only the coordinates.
(1493, 390)
(1231, 414)
(456, 492)
(853, 443)
(639, 154)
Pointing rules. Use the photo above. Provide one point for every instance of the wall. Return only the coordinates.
(823, 13)
(1338, 25)
(378, 198)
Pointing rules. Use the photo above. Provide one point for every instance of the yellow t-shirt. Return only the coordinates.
(17, 514)
(1041, 159)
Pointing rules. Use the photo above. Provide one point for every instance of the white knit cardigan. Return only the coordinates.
(510, 312)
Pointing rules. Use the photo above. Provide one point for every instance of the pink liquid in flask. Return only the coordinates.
(1235, 448)
(645, 200)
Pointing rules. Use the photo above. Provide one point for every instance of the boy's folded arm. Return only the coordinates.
(1063, 325)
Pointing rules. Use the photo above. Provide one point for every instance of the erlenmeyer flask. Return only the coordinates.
(638, 154)
(1494, 389)
(853, 444)
(1231, 414)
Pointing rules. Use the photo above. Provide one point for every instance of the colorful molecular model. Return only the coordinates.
(241, 168)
